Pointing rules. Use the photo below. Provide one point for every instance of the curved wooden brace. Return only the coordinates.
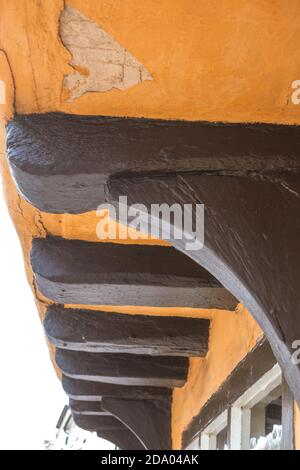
(94, 423)
(149, 420)
(109, 428)
(90, 331)
(252, 233)
(122, 438)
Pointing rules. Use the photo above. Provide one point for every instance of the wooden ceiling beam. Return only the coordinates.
(87, 408)
(124, 369)
(61, 162)
(91, 273)
(149, 420)
(98, 331)
(83, 390)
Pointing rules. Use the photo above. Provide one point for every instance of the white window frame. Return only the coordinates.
(208, 438)
(239, 416)
(240, 421)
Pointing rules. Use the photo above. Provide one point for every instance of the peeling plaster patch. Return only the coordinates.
(100, 63)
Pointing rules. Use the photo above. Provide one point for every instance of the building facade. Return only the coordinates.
(182, 103)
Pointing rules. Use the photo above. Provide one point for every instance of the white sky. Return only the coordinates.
(31, 397)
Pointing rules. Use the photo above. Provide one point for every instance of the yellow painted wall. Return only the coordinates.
(228, 60)
(231, 338)
(216, 60)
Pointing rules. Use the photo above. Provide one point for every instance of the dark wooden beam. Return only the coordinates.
(251, 243)
(106, 426)
(90, 273)
(288, 438)
(109, 428)
(124, 369)
(84, 390)
(87, 408)
(257, 363)
(91, 331)
(61, 162)
(96, 423)
(122, 438)
(149, 420)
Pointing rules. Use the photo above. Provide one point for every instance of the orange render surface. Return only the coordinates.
(231, 61)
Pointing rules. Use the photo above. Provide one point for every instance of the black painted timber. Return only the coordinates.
(124, 369)
(149, 420)
(123, 438)
(91, 273)
(84, 390)
(251, 243)
(248, 371)
(88, 408)
(288, 418)
(96, 423)
(98, 331)
(61, 162)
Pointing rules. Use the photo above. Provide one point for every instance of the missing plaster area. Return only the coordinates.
(99, 61)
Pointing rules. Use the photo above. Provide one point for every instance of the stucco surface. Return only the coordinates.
(229, 60)
(231, 338)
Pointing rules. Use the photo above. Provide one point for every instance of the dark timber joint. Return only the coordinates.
(246, 175)
(62, 162)
(123, 438)
(90, 273)
(87, 391)
(251, 233)
(96, 423)
(150, 421)
(124, 369)
(90, 331)
(110, 428)
(87, 408)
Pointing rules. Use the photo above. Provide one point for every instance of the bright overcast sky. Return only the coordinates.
(31, 396)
